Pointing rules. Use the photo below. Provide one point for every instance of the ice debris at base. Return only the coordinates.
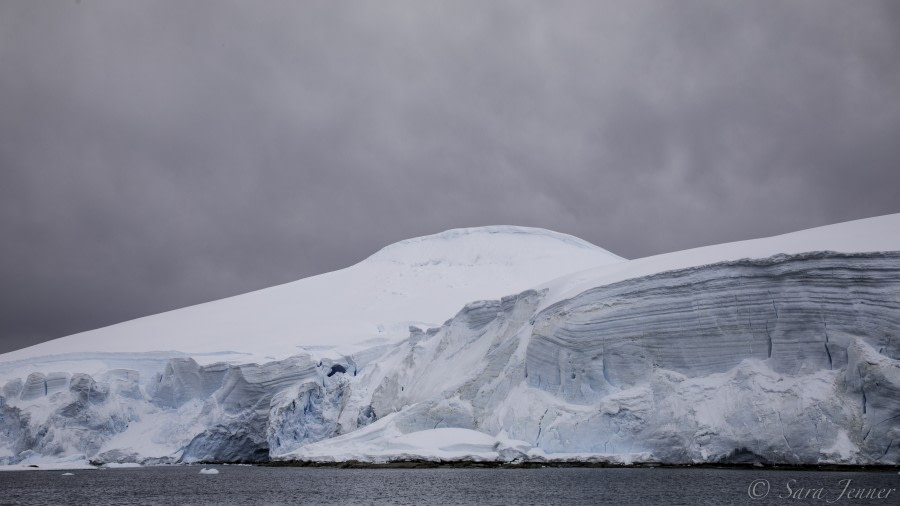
(209, 471)
(32, 461)
(122, 465)
(789, 356)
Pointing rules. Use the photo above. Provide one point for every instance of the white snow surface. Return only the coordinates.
(421, 281)
(880, 233)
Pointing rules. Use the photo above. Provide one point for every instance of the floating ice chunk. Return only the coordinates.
(68, 474)
(209, 471)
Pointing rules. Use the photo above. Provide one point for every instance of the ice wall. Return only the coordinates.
(789, 359)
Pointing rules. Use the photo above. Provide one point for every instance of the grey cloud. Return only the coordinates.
(154, 155)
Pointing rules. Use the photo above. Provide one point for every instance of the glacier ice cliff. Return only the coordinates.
(781, 358)
(785, 359)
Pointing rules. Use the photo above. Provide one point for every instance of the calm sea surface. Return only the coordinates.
(262, 485)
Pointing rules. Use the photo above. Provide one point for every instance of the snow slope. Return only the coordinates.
(880, 233)
(421, 281)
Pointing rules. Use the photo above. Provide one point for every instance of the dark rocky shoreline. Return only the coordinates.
(416, 464)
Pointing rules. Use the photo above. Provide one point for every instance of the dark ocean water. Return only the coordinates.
(263, 485)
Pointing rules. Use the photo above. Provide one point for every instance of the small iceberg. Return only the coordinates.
(209, 471)
(68, 474)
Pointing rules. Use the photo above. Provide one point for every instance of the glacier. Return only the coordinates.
(781, 350)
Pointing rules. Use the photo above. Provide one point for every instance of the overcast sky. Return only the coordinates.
(159, 154)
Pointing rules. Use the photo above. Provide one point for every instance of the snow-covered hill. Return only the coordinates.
(783, 349)
(421, 281)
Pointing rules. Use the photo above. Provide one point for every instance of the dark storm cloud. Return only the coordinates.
(159, 154)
